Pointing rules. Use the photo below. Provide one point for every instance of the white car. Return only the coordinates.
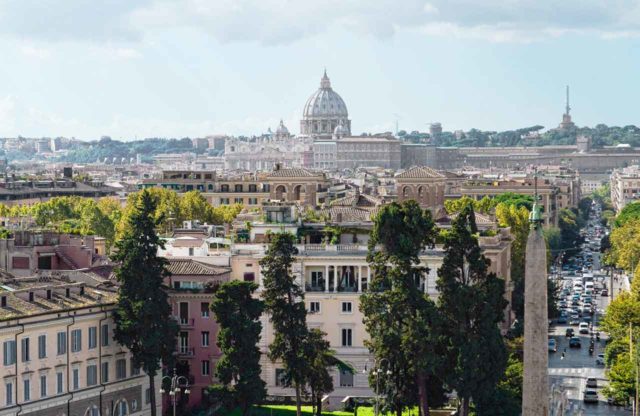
(583, 328)
(600, 359)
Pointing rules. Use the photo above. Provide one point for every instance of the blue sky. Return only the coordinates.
(163, 68)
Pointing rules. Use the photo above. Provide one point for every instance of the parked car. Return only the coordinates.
(553, 345)
(592, 383)
(600, 359)
(590, 396)
(574, 342)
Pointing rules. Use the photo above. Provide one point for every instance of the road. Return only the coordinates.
(572, 372)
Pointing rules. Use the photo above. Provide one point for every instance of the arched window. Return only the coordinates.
(281, 192)
(421, 193)
(406, 191)
(92, 411)
(120, 408)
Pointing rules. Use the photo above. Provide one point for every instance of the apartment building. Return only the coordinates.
(191, 290)
(333, 276)
(16, 191)
(625, 186)
(27, 252)
(59, 355)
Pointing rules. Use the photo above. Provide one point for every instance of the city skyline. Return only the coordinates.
(150, 69)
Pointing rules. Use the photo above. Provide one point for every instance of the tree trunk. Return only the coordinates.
(398, 411)
(423, 395)
(318, 405)
(298, 401)
(152, 394)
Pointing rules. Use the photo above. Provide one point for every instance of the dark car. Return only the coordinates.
(574, 342)
(569, 332)
(561, 319)
(604, 292)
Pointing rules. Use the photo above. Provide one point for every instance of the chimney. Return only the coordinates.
(278, 166)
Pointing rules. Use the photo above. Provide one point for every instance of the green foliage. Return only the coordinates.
(569, 231)
(284, 302)
(507, 398)
(629, 212)
(143, 313)
(475, 347)
(238, 369)
(519, 200)
(401, 320)
(517, 218)
(319, 357)
(584, 207)
(625, 245)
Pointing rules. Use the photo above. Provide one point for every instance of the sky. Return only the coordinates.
(163, 68)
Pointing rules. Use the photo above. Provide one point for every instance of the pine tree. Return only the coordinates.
(238, 369)
(284, 302)
(471, 303)
(143, 315)
(320, 357)
(400, 318)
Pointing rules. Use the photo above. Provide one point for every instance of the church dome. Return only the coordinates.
(340, 130)
(325, 102)
(282, 130)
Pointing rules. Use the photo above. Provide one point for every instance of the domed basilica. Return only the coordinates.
(325, 113)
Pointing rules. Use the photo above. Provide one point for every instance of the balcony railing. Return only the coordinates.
(185, 351)
(185, 322)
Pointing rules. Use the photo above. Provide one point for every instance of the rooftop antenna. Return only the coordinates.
(568, 108)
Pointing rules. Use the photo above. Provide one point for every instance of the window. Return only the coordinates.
(42, 346)
(93, 337)
(205, 338)
(184, 313)
(204, 309)
(249, 277)
(224, 201)
(346, 378)
(104, 336)
(317, 281)
(26, 389)
(26, 356)
(346, 307)
(9, 352)
(224, 188)
(76, 340)
(59, 382)
(121, 369)
(43, 386)
(135, 370)
(346, 337)
(92, 411)
(314, 307)
(105, 372)
(253, 201)
(205, 367)
(62, 343)
(281, 379)
(147, 396)
(76, 378)
(191, 251)
(238, 187)
(8, 389)
(238, 200)
(121, 408)
(134, 405)
(253, 188)
(92, 375)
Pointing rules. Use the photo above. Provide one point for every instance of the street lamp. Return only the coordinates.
(177, 383)
(377, 370)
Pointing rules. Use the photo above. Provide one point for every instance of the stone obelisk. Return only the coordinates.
(535, 392)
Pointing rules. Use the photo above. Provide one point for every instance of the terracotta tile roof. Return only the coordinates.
(360, 201)
(419, 172)
(349, 214)
(292, 173)
(192, 267)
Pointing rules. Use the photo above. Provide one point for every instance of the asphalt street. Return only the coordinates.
(572, 371)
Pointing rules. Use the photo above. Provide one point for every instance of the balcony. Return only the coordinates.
(185, 323)
(186, 352)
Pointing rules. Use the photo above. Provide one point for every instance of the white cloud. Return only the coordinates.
(285, 21)
(115, 52)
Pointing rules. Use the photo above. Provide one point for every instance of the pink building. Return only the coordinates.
(29, 251)
(192, 284)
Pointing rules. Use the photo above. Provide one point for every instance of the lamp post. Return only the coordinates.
(176, 387)
(377, 370)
